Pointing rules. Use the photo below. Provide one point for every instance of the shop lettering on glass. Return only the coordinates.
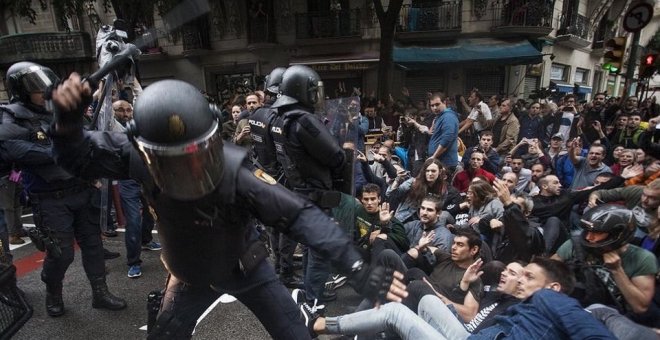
(341, 67)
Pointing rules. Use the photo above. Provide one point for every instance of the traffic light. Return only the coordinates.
(613, 58)
(648, 65)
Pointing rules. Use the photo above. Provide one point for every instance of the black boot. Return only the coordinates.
(102, 298)
(54, 302)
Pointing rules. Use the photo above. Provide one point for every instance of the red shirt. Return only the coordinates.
(463, 179)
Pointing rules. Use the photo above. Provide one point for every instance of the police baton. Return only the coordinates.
(118, 61)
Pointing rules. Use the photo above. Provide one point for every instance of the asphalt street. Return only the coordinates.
(81, 321)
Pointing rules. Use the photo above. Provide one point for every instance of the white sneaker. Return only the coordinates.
(226, 298)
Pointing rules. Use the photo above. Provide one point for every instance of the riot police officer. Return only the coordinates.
(310, 157)
(65, 208)
(264, 149)
(205, 197)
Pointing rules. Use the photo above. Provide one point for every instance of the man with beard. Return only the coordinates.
(629, 137)
(594, 113)
(427, 234)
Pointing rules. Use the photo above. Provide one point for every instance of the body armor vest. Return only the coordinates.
(264, 147)
(217, 224)
(301, 170)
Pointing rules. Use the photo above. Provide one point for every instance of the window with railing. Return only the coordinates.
(577, 25)
(430, 16)
(328, 24)
(533, 13)
(603, 33)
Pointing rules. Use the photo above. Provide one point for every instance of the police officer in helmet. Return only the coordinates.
(65, 207)
(311, 158)
(205, 197)
(260, 122)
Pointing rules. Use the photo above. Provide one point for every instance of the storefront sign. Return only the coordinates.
(334, 67)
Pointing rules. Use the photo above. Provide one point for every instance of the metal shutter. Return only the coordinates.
(489, 81)
(531, 84)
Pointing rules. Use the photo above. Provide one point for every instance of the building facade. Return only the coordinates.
(508, 47)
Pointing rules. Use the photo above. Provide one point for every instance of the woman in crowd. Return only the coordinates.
(431, 180)
(484, 203)
(229, 127)
(626, 158)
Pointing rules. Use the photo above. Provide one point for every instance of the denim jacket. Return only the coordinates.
(546, 315)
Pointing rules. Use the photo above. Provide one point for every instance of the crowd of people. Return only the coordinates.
(564, 190)
(502, 217)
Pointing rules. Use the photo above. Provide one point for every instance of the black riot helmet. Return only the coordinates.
(300, 84)
(27, 77)
(177, 135)
(274, 79)
(615, 220)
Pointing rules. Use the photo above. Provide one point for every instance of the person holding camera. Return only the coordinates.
(565, 119)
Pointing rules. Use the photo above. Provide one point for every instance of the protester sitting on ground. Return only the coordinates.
(463, 178)
(431, 225)
(410, 191)
(484, 204)
(625, 270)
(376, 228)
(546, 312)
(491, 157)
(524, 174)
(513, 237)
(642, 200)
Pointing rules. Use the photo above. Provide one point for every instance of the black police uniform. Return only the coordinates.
(62, 204)
(204, 239)
(310, 158)
(264, 148)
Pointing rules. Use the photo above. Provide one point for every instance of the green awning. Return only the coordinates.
(468, 51)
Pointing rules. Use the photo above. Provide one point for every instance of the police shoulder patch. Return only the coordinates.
(264, 177)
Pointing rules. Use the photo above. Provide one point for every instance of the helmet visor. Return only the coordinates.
(186, 171)
(37, 79)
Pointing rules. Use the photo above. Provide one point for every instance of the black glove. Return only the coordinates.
(372, 283)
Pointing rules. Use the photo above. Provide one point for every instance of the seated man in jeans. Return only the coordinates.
(545, 312)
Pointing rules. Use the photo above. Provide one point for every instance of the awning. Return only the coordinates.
(584, 89)
(367, 57)
(472, 51)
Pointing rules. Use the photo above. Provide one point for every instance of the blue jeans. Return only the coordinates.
(622, 327)
(129, 191)
(393, 317)
(317, 269)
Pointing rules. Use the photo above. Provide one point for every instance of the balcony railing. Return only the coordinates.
(431, 16)
(520, 13)
(577, 25)
(601, 35)
(45, 47)
(328, 24)
(196, 35)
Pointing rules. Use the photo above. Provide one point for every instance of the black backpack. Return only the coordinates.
(589, 288)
